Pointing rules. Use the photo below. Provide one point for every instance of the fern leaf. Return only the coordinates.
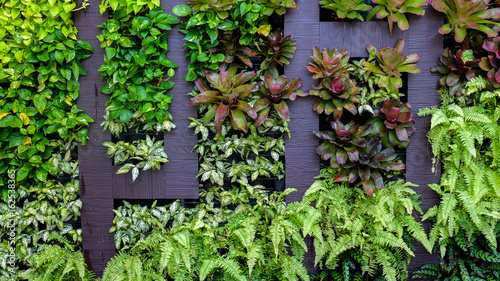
(207, 267)
(316, 187)
(467, 141)
(166, 250)
(471, 208)
(231, 268)
(493, 177)
(448, 203)
(439, 117)
(254, 254)
(389, 240)
(473, 115)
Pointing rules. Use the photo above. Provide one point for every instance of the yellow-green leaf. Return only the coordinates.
(24, 118)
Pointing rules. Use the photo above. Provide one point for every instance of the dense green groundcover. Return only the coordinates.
(358, 216)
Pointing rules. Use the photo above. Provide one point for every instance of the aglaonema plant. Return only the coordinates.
(145, 154)
(226, 96)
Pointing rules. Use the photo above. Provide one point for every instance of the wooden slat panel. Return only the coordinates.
(425, 41)
(356, 36)
(301, 160)
(95, 167)
(180, 172)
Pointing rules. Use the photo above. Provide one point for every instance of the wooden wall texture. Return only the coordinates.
(176, 180)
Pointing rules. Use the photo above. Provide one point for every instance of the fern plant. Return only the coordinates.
(377, 227)
(54, 262)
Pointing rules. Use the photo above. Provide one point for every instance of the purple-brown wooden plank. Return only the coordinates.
(180, 173)
(302, 162)
(425, 41)
(95, 167)
(356, 36)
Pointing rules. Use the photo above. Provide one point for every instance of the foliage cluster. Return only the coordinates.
(134, 67)
(366, 93)
(230, 31)
(465, 139)
(245, 242)
(40, 127)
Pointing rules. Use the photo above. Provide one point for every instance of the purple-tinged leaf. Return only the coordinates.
(261, 104)
(341, 157)
(401, 133)
(386, 155)
(353, 175)
(334, 164)
(200, 85)
(204, 98)
(377, 178)
(325, 150)
(400, 45)
(240, 79)
(353, 153)
(222, 112)
(263, 114)
(342, 176)
(369, 187)
(239, 119)
(246, 107)
(282, 110)
(404, 117)
(364, 173)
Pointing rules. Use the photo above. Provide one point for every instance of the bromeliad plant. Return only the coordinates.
(466, 14)
(275, 49)
(336, 90)
(273, 91)
(394, 11)
(357, 152)
(226, 96)
(388, 64)
(491, 62)
(144, 154)
(457, 67)
(394, 123)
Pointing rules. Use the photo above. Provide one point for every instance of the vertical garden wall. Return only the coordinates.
(102, 187)
(205, 117)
